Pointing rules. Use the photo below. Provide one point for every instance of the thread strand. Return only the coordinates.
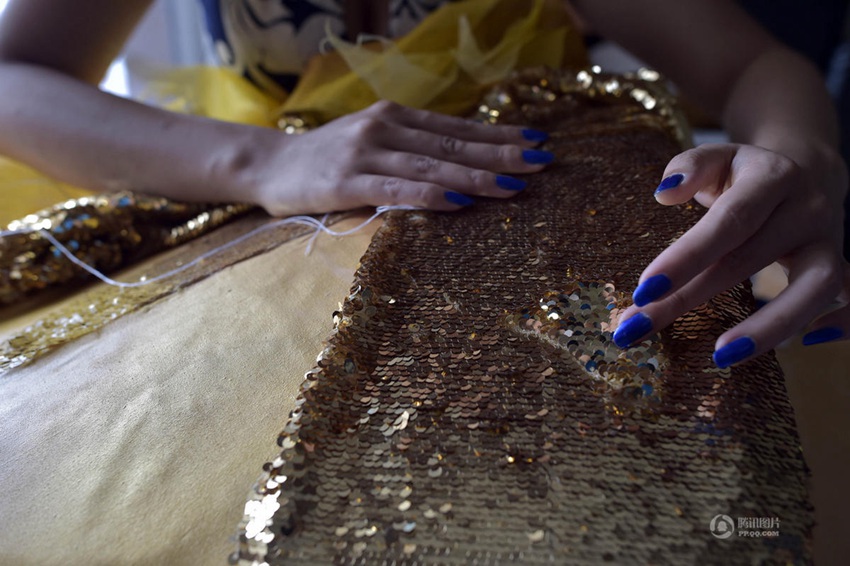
(319, 225)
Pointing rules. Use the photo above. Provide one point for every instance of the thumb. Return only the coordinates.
(703, 170)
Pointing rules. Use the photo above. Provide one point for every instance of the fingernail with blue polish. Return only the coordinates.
(458, 198)
(534, 135)
(632, 329)
(510, 183)
(651, 289)
(822, 335)
(670, 182)
(538, 156)
(733, 352)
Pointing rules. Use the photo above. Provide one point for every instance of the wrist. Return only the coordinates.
(238, 168)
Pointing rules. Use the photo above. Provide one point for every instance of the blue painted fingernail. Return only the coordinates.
(651, 289)
(822, 335)
(632, 329)
(458, 198)
(535, 135)
(734, 352)
(510, 183)
(538, 156)
(670, 182)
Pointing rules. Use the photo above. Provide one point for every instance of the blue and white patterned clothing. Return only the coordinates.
(270, 41)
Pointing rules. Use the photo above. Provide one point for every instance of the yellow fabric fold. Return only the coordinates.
(24, 190)
(444, 64)
(214, 92)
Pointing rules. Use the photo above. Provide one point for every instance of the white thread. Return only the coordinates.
(4, 233)
(312, 240)
(320, 226)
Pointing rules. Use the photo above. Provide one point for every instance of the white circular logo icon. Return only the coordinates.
(722, 526)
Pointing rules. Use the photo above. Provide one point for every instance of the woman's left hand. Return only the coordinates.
(763, 207)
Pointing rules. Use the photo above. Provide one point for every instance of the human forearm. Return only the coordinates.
(385, 154)
(75, 133)
(779, 102)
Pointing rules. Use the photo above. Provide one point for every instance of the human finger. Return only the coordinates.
(703, 169)
(755, 191)
(733, 268)
(813, 284)
(835, 325)
(382, 190)
(422, 168)
(489, 156)
(469, 130)
(501, 157)
(809, 292)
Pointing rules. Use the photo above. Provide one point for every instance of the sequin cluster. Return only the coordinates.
(469, 410)
(643, 98)
(579, 322)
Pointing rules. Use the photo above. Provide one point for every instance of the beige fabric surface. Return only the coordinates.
(818, 381)
(138, 444)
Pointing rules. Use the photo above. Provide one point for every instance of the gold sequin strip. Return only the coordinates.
(104, 231)
(469, 407)
(110, 232)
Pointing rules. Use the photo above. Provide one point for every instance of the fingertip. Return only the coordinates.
(823, 335)
(509, 183)
(734, 352)
(458, 199)
(537, 157)
(652, 289)
(534, 136)
(632, 329)
(668, 190)
(670, 182)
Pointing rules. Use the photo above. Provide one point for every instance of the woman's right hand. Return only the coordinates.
(389, 154)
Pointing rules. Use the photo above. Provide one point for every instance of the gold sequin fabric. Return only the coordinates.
(470, 407)
(104, 231)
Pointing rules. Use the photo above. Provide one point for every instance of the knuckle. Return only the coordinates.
(393, 189)
(506, 154)
(780, 171)
(425, 164)
(451, 145)
(786, 168)
(385, 108)
(368, 128)
(830, 275)
(478, 179)
(736, 218)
